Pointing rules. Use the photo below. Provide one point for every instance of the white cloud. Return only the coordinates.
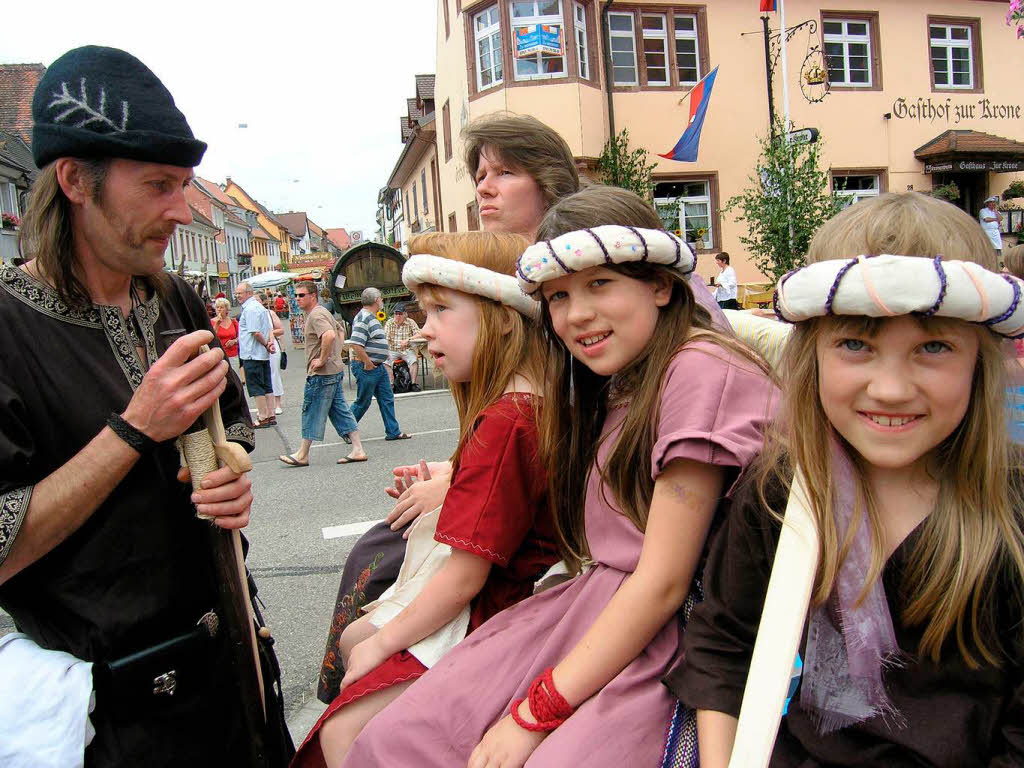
(321, 86)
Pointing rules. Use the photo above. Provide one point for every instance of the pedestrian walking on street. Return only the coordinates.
(991, 219)
(726, 288)
(369, 344)
(255, 344)
(105, 566)
(277, 331)
(323, 395)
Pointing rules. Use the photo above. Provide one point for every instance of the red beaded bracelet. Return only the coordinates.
(547, 705)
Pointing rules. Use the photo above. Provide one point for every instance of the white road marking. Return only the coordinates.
(352, 529)
(373, 439)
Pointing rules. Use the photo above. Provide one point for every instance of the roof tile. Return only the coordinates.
(17, 85)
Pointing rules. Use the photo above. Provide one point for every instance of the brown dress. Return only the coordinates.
(955, 715)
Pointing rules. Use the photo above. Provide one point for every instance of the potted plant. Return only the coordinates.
(9, 221)
(1015, 190)
(948, 191)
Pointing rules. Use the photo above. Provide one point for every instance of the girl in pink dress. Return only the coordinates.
(650, 415)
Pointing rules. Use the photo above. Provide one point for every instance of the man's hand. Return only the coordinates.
(177, 388)
(224, 496)
(317, 363)
(403, 345)
(270, 346)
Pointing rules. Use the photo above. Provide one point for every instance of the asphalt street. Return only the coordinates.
(296, 568)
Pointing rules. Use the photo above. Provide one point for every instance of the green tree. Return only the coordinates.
(786, 202)
(630, 169)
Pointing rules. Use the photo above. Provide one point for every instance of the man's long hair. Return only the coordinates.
(47, 232)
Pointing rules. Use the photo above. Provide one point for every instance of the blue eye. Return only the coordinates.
(934, 347)
(557, 296)
(852, 345)
(599, 282)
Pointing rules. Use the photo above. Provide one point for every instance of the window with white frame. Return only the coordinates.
(487, 34)
(622, 45)
(687, 58)
(685, 208)
(527, 15)
(9, 199)
(580, 28)
(848, 52)
(852, 189)
(655, 37)
(952, 55)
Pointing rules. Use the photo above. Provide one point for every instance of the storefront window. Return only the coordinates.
(685, 208)
(848, 52)
(527, 15)
(952, 62)
(487, 34)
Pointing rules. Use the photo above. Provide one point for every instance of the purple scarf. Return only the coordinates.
(848, 645)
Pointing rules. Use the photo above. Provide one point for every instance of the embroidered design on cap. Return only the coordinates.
(98, 115)
(888, 286)
(425, 268)
(599, 246)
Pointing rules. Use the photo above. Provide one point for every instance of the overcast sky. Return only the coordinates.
(320, 85)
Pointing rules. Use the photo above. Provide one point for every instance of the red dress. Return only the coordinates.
(227, 334)
(496, 508)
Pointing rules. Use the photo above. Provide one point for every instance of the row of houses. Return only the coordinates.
(904, 95)
(232, 235)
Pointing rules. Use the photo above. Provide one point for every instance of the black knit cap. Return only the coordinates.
(103, 102)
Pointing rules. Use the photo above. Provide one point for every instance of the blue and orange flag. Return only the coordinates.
(685, 150)
(767, 5)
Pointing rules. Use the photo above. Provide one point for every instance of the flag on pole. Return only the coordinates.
(767, 6)
(685, 150)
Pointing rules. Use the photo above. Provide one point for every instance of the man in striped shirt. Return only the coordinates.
(369, 345)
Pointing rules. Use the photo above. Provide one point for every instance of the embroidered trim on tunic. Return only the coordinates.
(501, 558)
(241, 433)
(13, 508)
(44, 299)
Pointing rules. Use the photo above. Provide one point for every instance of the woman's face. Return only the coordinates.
(604, 318)
(898, 394)
(222, 311)
(509, 199)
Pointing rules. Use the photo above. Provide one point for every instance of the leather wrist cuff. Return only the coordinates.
(139, 441)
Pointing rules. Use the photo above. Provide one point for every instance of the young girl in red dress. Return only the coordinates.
(482, 334)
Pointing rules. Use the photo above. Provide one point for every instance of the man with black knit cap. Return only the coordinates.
(101, 554)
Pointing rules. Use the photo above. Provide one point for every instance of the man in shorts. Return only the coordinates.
(255, 343)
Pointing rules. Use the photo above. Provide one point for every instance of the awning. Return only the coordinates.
(971, 152)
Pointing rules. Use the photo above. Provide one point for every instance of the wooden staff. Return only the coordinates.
(778, 636)
(205, 451)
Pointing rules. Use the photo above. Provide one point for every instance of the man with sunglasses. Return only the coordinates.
(323, 395)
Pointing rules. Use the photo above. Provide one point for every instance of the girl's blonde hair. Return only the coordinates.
(507, 343)
(221, 302)
(975, 535)
(576, 398)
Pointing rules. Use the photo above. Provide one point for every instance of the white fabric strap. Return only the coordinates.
(427, 269)
(599, 246)
(887, 286)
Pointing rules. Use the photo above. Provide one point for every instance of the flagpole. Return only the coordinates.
(785, 68)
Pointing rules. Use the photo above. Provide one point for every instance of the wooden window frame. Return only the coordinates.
(446, 124)
(711, 177)
(978, 86)
(447, 21)
(472, 217)
(423, 193)
(669, 12)
(875, 47)
(508, 65)
(881, 173)
(453, 225)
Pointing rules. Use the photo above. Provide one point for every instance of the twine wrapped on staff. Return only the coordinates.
(203, 451)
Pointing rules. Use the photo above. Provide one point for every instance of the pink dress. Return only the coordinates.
(714, 409)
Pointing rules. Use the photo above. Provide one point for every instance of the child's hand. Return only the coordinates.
(507, 745)
(416, 500)
(365, 657)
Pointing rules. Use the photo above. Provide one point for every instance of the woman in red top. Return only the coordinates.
(226, 328)
(481, 331)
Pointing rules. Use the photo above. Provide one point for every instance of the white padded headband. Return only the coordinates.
(425, 268)
(607, 244)
(886, 286)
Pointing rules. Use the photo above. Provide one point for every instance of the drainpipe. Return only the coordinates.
(606, 47)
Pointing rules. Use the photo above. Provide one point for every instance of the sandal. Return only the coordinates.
(291, 461)
(350, 460)
(399, 436)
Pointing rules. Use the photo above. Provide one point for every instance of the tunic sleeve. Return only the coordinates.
(720, 634)
(16, 450)
(1012, 729)
(489, 508)
(715, 407)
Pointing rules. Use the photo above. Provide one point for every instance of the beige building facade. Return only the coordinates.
(920, 95)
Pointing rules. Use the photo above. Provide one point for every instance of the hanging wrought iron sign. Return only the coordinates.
(814, 84)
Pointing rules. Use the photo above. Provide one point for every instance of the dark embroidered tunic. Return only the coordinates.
(137, 572)
(956, 717)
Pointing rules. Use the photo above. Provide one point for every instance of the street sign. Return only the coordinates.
(803, 136)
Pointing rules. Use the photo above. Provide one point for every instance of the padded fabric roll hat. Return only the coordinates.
(887, 286)
(600, 246)
(427, 269)
(103, 102)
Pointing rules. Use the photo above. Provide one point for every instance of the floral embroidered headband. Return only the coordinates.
(608, 244)
(887, 286)
(448, 273)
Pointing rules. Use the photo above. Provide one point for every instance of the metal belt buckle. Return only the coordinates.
(165, 683)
